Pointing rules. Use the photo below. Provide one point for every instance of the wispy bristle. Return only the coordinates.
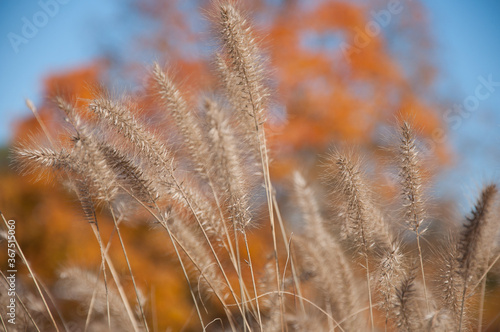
(242, 50)
(208, 180)
(307, 202)
(69, 110)
(86, 201)
(93, 168)
(194, 202)
(329, 270)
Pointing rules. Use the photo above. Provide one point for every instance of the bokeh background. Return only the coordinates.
(334, 81)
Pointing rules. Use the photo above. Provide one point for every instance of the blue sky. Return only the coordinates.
(467, 35)
(67, 40)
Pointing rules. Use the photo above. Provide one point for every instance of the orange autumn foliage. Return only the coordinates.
(78, 84)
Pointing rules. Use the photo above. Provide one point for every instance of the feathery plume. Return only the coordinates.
(129, 174)
(411, 180)
(411, 191)
(84, 287)
(30, 160)
(441, 321)
(451, 282)
(227, 165)
(472, 247)
(362, 222)
(240, 65)
(390, 271)
(93, 169)
(328, 263)
(186, 122)
(271, 319)
(207, 273)
(407, 313)
(118, 116)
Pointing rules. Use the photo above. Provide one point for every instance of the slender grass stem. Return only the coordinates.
(481, 305)
(23, 305)
(252, 273)
(181, 190)
(423, 273)
(296, 280)
(129, 268)
(35, 281)
(368, 284)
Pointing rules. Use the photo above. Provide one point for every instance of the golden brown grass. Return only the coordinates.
(206, 194)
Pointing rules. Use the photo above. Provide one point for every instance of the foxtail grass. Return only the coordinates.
(208, 188)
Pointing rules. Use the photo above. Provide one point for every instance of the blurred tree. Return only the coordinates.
(341, 69)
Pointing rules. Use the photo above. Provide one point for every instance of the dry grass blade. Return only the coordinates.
(242, 59)
(4, 300)
(136, 290)
(89, 211)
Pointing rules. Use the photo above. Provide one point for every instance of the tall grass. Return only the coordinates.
(206, 188)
